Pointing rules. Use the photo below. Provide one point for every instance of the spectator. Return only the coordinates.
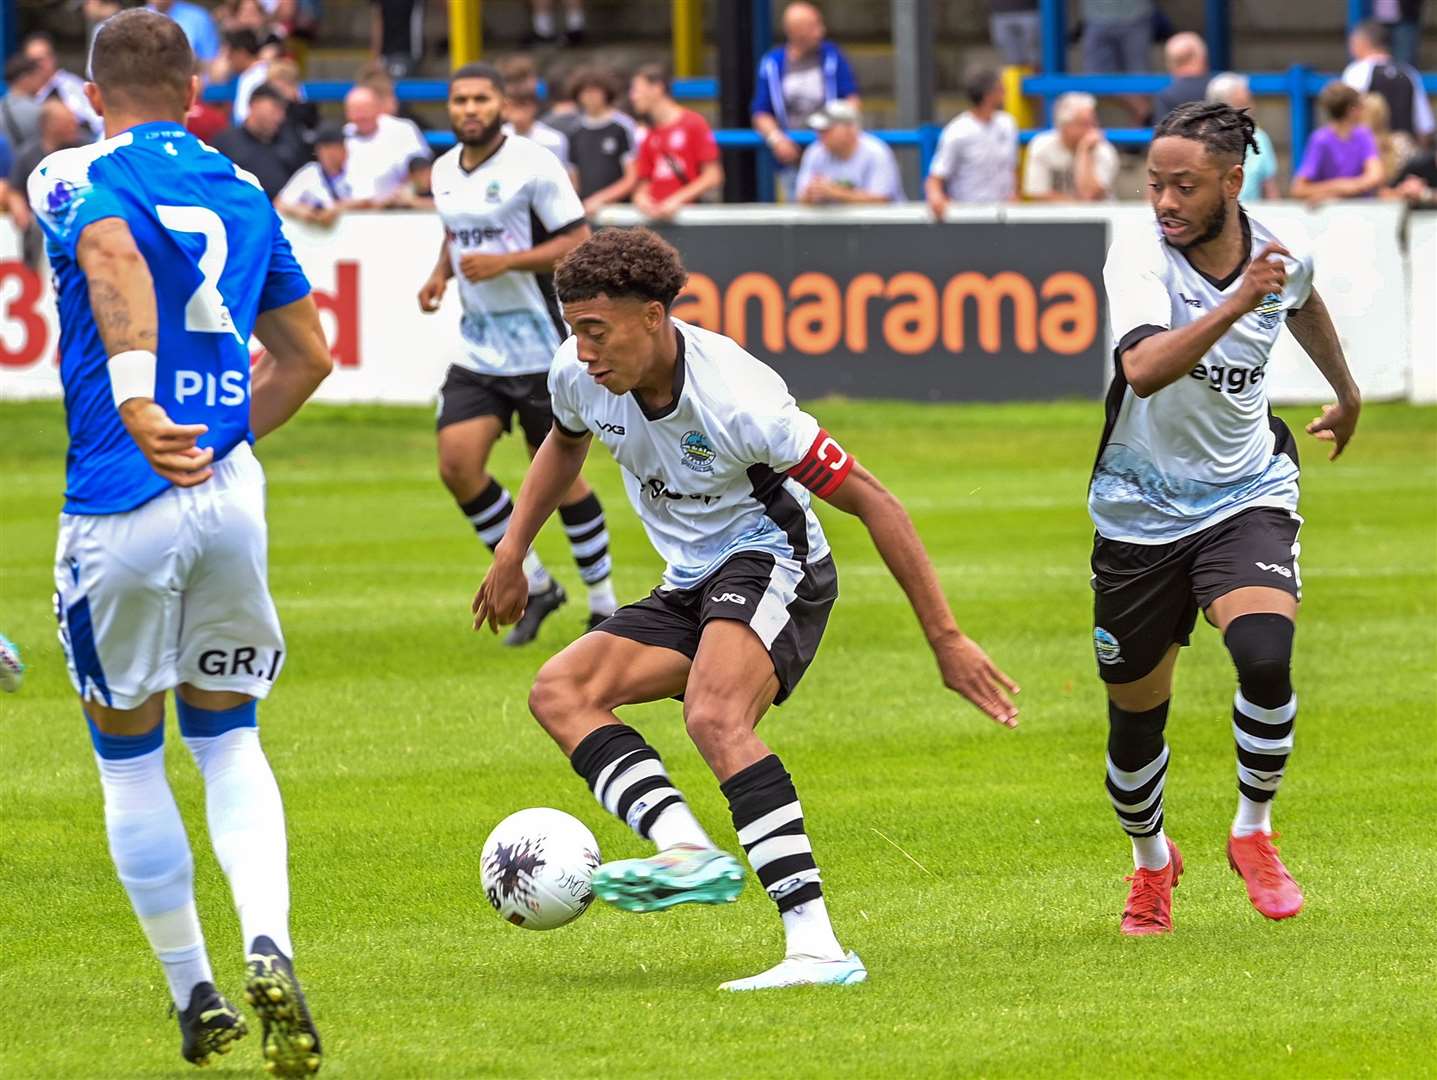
(1186, 57)
(1341, 160)
(1416, 184)
(320, 190)
(96, 12)
(678, 159)
(205, 121)
(377, 79)
(563, 112)
(846, 164)
(418, 191)
(1373, 69)
(1402, 20)
(1393, 147)
(1073, 161)
(240, 61)
(58, 130)
(1259, 171)
(380, 146)
(300, 115)
(977, 157)
(20, 108)
(1118, 37)
(544, 29)
(261, 145)
(195, 21)
(65, 85)
(1016, 31)
(603, 144)
(794, 81)
(521, 117)
(397, 35)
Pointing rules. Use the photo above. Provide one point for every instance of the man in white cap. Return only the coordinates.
(846, 164)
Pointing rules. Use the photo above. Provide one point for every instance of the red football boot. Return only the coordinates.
(1150, 901)
(1269, 886)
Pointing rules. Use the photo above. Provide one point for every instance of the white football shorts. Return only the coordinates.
(175, 591)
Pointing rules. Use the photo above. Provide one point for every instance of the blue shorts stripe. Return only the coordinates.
(80, 630)
(119, 747)
(197, 723)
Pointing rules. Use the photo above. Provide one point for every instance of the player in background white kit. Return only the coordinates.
(510, 213)
(719, 463)
(166, 257)
(1194, 493)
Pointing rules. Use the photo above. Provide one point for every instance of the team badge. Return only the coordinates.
(491, 193)
(698, 454)
(1107, 647)
(60, 197)
(610, 145)
(1269, 312)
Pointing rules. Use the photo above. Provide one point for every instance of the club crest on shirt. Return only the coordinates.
(1269, 312)
(59, 198)
(491, 193)
(697, 452)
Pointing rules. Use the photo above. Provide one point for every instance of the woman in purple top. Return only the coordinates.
(1341, 160)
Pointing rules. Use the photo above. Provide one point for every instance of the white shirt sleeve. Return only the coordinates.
(563, 402)
(1357, 75)
(888, 181)
(1134, 279)
(807, 166)
(1106, 165)
(306, 188)
(1037, 176)
(945, 158)
(555, 200)
(1422, 121)
(774, 430)
(1299, 282)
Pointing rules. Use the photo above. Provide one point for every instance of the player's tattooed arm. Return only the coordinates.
(504, 593)
(1163, 358)
(1312, 326)
(965, 667)
(295, 361)
(122, 293)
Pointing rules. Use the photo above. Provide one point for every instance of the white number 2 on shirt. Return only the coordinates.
(205, 312)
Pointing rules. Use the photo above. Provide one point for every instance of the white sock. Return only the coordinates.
(602, 600)
(535, 574)
(246, 819)
(1151, 852)
(152, 858)
(807, 932)
(1252, 817)
(677, 825)
(544, 25)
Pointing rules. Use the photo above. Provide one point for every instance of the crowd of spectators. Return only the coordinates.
(642, 146)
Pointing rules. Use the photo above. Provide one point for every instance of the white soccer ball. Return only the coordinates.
(12, 668)
(536, 867)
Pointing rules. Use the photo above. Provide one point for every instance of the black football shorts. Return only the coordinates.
(1146, 596)
(750, 588)
(468, 395)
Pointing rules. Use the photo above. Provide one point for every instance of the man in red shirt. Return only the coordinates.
(678, 160)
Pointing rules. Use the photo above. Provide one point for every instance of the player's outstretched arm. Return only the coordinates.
(122, 298)
(1164, 358)
(1312, 326)
(504, 593)
(965, 667)
(295, 361)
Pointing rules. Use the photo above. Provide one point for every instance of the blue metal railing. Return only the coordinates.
(417, 91)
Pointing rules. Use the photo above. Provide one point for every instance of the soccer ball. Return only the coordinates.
(536, 867)
(12, 668)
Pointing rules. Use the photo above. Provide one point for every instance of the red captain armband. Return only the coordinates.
(824, 467)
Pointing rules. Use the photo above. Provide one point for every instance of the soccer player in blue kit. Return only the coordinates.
(166, 257)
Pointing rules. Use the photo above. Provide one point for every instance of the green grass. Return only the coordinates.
(400, 737)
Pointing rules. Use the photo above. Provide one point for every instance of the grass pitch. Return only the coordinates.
(977, 871)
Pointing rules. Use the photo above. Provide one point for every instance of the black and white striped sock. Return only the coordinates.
(489, 513)
(1264, 712)
(1137, 771)
(627, 777)
(769, 820)
(588, 535)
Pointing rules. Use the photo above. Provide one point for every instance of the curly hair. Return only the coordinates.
(1223, 130)
(635, 263)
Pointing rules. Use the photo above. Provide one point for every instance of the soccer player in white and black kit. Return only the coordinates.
(1194, 493)
(719, 463)
(510, 213)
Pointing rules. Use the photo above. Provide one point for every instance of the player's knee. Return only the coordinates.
(710, 721)
(557, 693)
(1261, 647)
(1135, 738)
(460, 476)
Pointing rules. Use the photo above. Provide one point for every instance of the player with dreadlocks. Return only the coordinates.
(1194, 493)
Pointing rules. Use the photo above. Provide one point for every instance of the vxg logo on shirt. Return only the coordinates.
(1228, 380)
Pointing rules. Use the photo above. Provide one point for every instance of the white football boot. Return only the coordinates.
(804, 971)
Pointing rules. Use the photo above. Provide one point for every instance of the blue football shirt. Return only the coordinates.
(218, 258)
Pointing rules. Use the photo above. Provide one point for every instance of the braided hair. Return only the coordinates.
(1221, 129)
